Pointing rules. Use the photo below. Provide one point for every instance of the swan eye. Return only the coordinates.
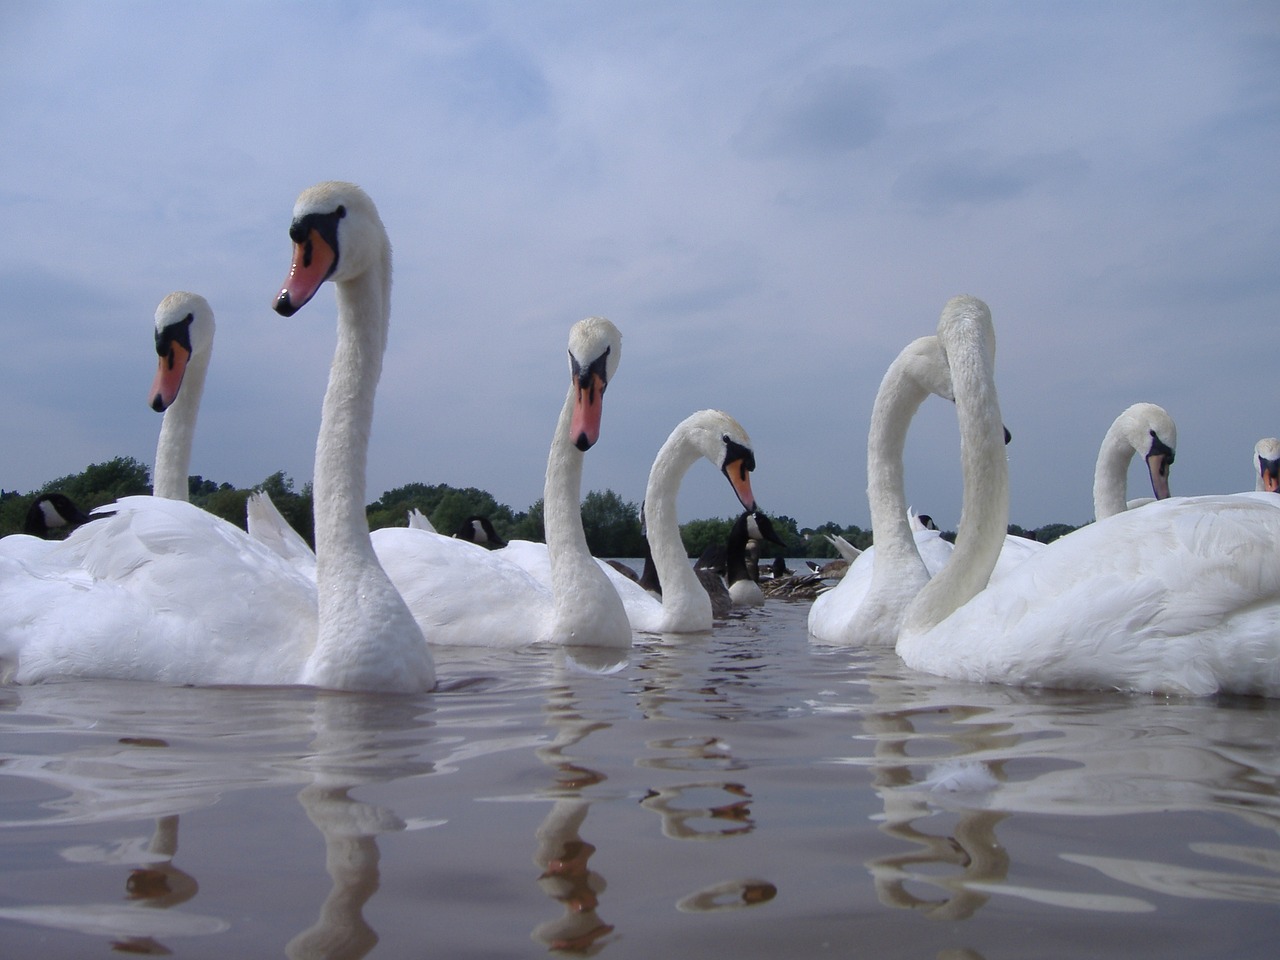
(175, 333)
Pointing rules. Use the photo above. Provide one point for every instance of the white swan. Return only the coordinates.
(462, 594)
(685, 606)
(1266, 465)
(866, 606)
(1180, 597)
(1144, 428)
(184, 343)
(164, 591)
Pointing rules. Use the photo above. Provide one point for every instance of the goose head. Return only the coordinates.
(595, 347)
(1150, 430)
(184, 329)
(1266, 458)
(337, 235)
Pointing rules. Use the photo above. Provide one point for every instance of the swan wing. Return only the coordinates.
(161, 590)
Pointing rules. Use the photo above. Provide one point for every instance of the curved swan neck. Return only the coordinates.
(896, 403)
(984, 518)
(177, 429)
(680, 585)
(1110, 474)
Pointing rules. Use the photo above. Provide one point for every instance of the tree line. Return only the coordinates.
(611, 524)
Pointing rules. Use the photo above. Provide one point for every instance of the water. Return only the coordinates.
(741, 794)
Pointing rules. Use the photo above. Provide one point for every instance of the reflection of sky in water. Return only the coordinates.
(740, 793)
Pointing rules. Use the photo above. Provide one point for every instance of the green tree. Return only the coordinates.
(529, 525)
(102, 483)
(612, 525)
(697, 535)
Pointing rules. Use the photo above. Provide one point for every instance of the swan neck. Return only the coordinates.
(984, 515)
(346, 419)
(670, 558)
(1110, 475)
(177, 430)
(896, 403)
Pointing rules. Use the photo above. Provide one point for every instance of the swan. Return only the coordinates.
(684, 605)
(1146, 429)
(164, 591)
(463, 595)
(1181, 597)
(1266, 462)
(184, 341)
(865, 607)
(184, 329)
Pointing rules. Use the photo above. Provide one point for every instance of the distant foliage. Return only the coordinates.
(611, 524)
(445, 506)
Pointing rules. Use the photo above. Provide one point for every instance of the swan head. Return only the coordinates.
(1266, 457)
(337, 235)
(723, 441)
(595, 347)
(1150, 430)
(184, 329)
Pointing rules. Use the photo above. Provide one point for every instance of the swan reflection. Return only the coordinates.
(962, 760)
(123, 770)
(561, 852)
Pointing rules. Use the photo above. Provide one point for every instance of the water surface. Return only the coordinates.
(739, 794)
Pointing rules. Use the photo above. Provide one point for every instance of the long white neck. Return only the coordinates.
(588, 609)
(898, 573)
(367, 638)
(984, 515)
(1111, 474)
(173, 449)
(684, 600)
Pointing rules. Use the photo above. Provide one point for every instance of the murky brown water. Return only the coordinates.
(738, 795)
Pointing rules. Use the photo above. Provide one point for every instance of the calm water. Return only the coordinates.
(739, 795)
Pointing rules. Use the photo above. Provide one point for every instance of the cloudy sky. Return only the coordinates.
(769, 199)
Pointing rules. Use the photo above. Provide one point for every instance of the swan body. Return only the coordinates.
(161, 590)
(1146, 429)
(1180, 597)
(461, 594)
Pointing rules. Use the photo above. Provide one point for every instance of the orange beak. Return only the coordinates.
(739, 475)
(168, 381)
(588, 406)
(313, 261)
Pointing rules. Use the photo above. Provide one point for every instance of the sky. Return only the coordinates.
(769, 199)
